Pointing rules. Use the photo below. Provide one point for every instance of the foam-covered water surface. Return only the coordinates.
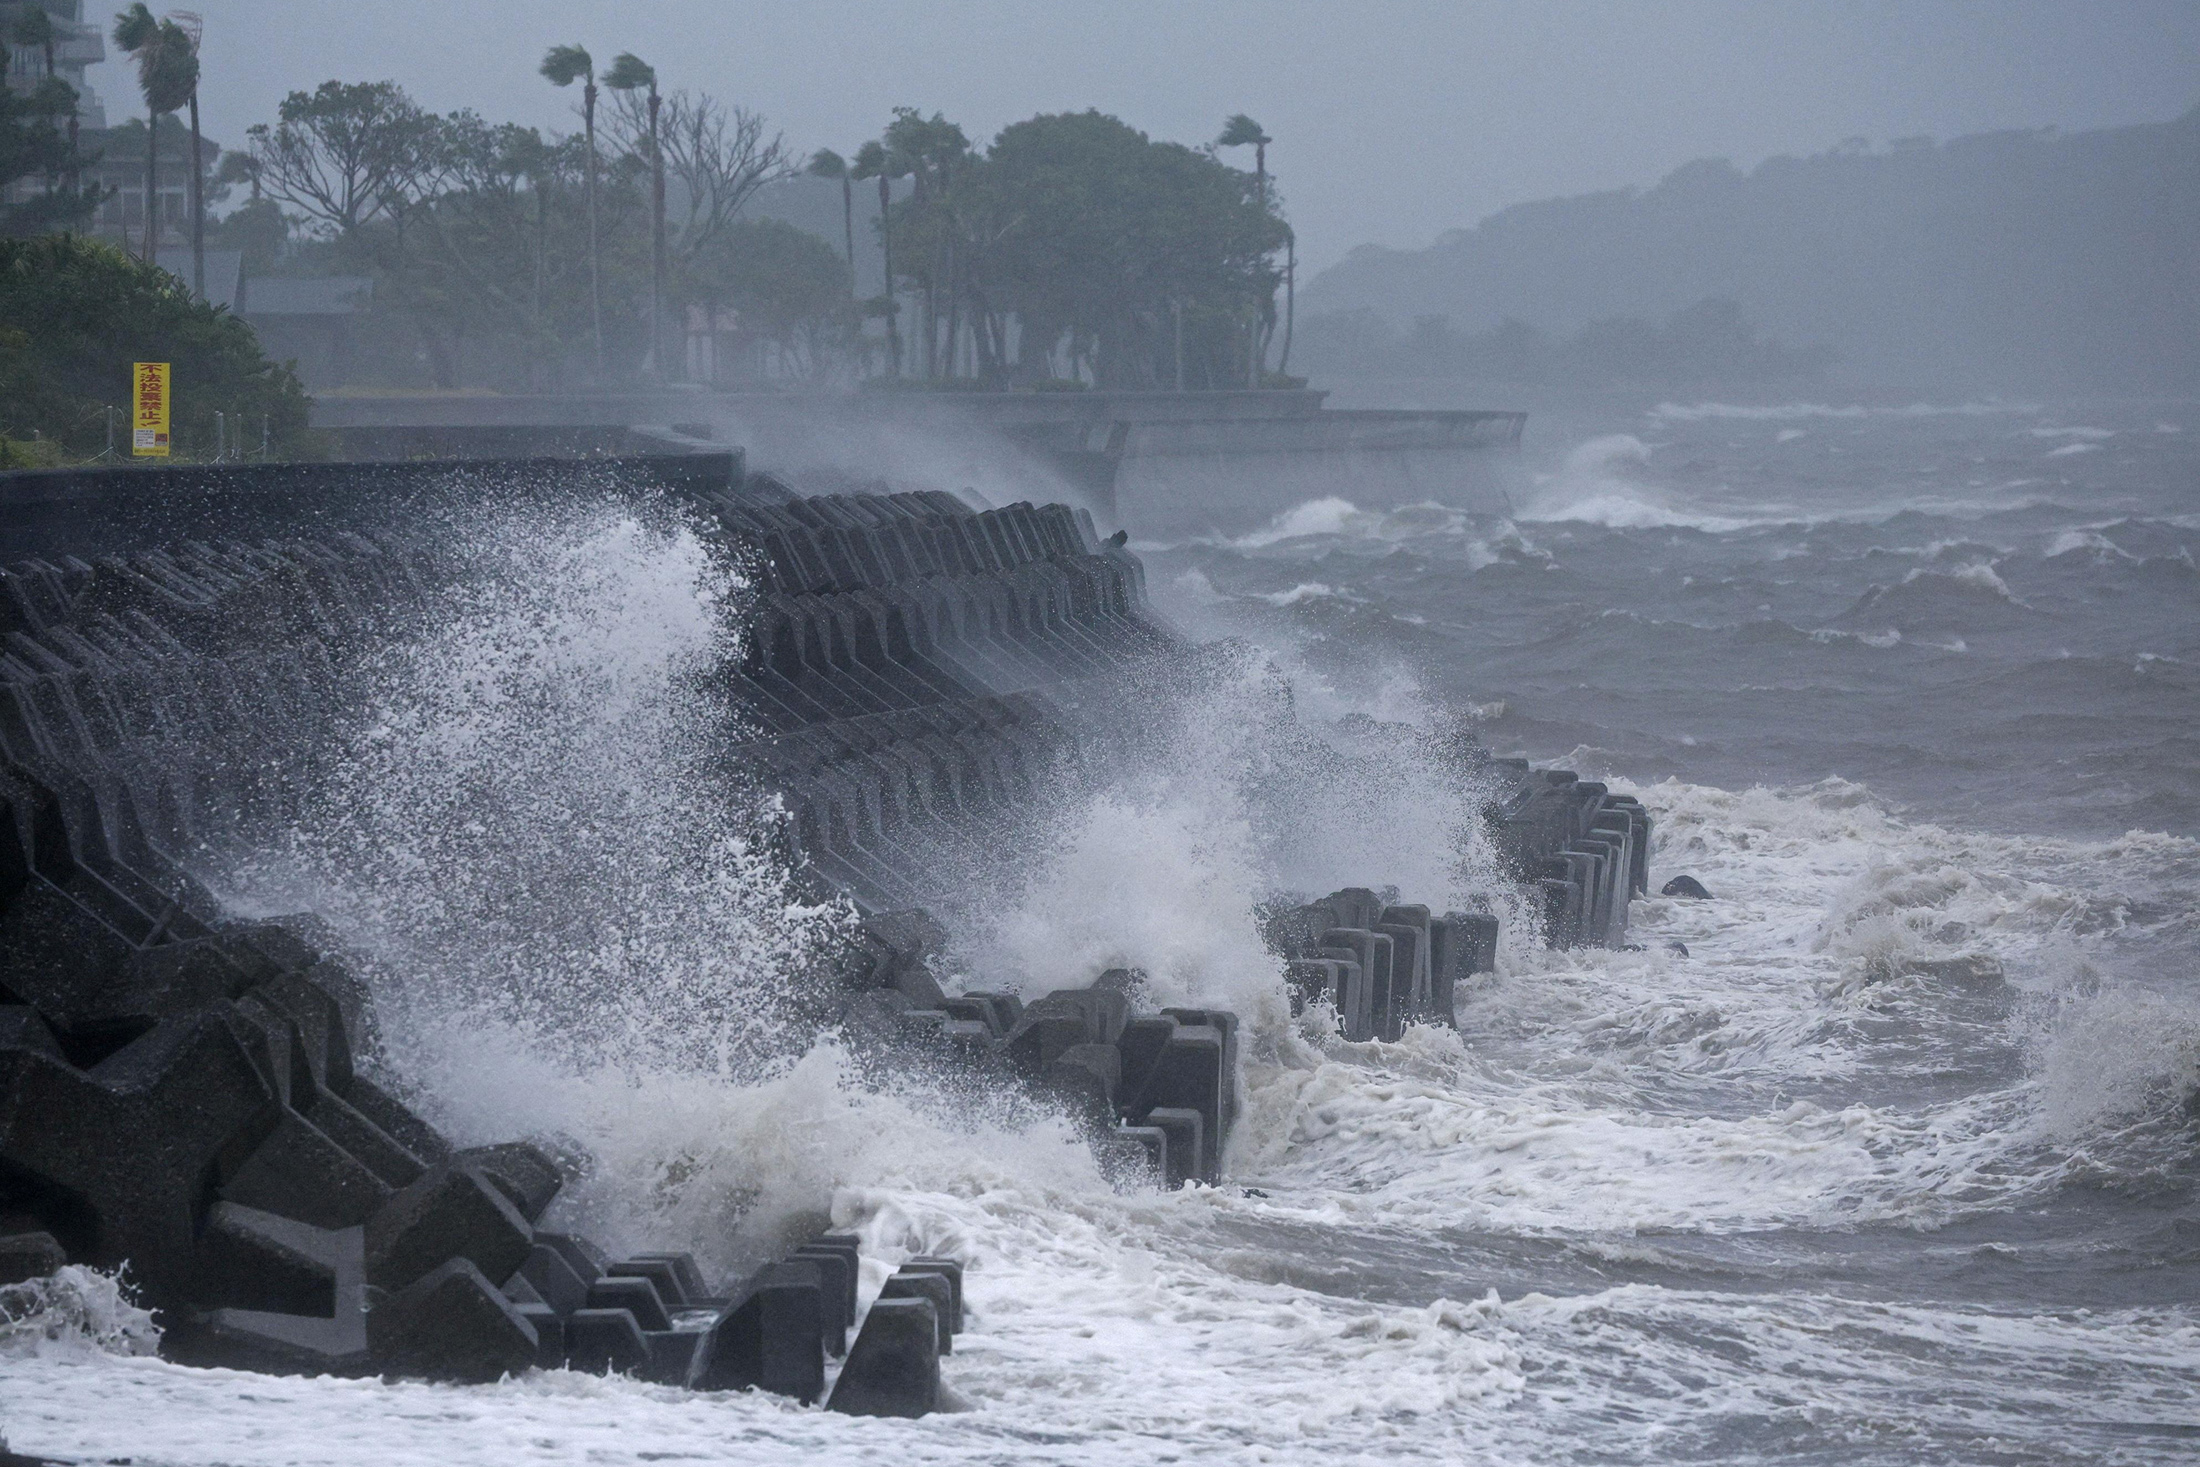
(1885, 1154)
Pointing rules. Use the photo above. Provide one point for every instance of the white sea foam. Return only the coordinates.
(519, 827)
(1777, 412)
(1596, 484)
(2072, 450)
(73, 1313)
(1327, 516)
(2086, 542)
(1305, 591)
(1252, 790)
(1619, 1100)
(1882, 1024)
(1334, 518)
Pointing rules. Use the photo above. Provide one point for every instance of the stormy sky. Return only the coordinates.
(1393, 120)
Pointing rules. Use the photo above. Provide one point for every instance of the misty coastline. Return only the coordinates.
(673, 724)
(2013, 261)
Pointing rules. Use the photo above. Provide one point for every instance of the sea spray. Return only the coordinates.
(1231, 797)
(528, 825)
(72, 1311)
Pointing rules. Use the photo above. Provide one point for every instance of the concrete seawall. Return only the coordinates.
(1159, 464)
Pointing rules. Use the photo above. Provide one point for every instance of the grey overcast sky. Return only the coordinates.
(1393, 120)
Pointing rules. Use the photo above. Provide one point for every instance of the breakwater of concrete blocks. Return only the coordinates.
(181, 1095)
(916, 668)
(196, 1097)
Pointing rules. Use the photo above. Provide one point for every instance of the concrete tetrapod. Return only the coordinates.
(893, 1368)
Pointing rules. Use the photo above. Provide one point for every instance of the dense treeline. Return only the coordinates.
(1073, 249)
(533, 259)
(74, 313)
(2013, 260)
(1077, 248)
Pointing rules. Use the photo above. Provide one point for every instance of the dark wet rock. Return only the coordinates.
(1687, 887)
(25, 1256)
(552, 1279)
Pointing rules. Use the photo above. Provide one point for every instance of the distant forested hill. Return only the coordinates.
(2012, 259)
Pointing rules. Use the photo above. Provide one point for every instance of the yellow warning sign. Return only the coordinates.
(149, 410)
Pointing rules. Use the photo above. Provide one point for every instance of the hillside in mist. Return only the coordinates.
(2016, 260)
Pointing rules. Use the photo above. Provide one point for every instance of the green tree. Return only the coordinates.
(168, 77)
(935, 154)
(198, 169)
(790, 289)
(75, 313)
(714, 157)
(630, 74)
(1096, 235)
(874, 161)
(825, 163)
(347, 153)
(1241, 131)
(490, 255)
(562, 66)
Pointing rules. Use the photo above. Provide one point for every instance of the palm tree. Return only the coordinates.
(562, 66)
(194, 28)
(1238, 132)
(873, 161)
(1241, 130)
(630, 73)
(826, 163)
(168, 75)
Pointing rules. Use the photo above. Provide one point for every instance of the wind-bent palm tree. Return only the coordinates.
(873, 161)
(562, 66)
(630, 73)
(168, 75)
(1241, 131)
(825, 163)
(194, 27)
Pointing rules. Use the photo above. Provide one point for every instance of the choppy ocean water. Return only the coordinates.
(1897, 1165)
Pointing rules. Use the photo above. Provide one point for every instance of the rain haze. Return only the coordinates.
(1394, 121)
(1243, 733)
